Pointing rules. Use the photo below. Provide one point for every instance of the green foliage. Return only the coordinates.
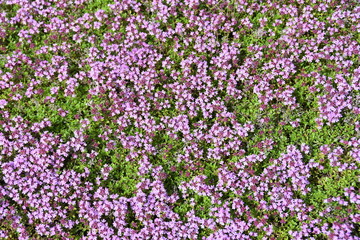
(182, 208)
(331, 184)
(202, 206)
(123, 178)
(95, 5)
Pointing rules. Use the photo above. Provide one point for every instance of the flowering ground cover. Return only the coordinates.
(179, 119)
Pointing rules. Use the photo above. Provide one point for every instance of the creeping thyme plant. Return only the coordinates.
(179, 119)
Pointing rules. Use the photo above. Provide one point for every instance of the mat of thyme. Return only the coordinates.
(179, 119)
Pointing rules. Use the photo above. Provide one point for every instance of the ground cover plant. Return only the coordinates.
(179, 119)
